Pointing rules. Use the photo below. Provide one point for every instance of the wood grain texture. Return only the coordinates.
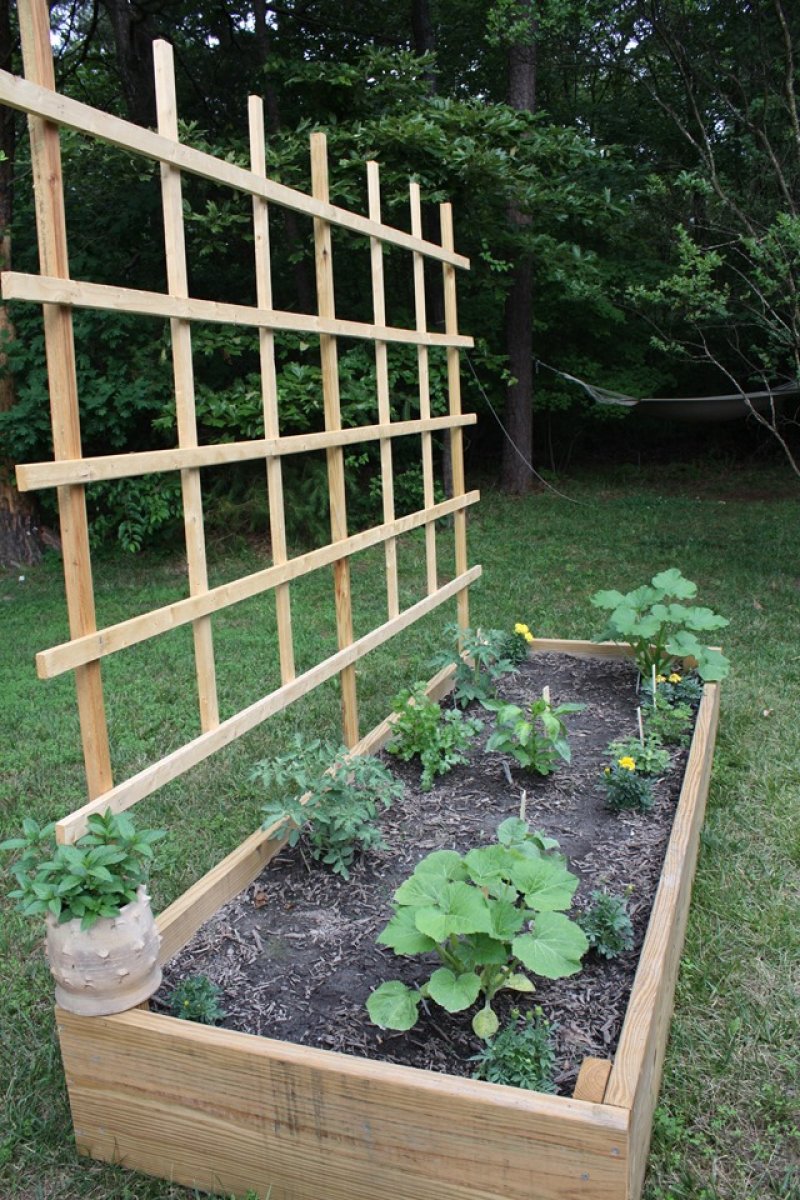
(26, 96)
(46, 289)
(423, 373)
(636, 1076)
(147, 781)
(592, 1080)
(34, 22)
(454, 405)
(226, 1111)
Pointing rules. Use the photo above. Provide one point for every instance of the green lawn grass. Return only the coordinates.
(726, 1125)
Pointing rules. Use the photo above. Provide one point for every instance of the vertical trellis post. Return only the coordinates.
(183, 369)
(382, 380)
(335, 454)
(269, 391)
(454, 393)
(424, 388)
(34, 20)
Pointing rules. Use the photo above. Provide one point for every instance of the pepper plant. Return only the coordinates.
(490, 916)
(661, 628)
(480, 658)
(538, 739)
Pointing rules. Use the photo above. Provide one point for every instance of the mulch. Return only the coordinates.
(295, 953)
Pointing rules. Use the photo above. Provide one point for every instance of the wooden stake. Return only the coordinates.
(641, 725)
(454, 394)
(183, 370)
(335, 455)
(34, 24)
(382, 377)
(269, 391)
(424, 387)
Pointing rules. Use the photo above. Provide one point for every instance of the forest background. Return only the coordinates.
(626, 182)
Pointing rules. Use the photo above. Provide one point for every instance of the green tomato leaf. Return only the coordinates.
(555, 947)
(393, 1006)
(454, 992)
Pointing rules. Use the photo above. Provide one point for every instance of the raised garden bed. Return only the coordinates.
(225, 1110)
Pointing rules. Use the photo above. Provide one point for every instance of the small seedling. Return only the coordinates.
(197, 999)
(521, 1055)
(537, 740)
(480, 659)
(440, 739)
(607, 925)
(335, 795)
(490, 916)
(626, 788)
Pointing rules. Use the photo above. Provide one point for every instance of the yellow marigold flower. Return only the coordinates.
(521, 629)
(675, 677)
(627, 763)
(661, 679)
(528, 636)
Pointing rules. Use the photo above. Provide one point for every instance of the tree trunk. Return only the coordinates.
(134, 52)
(515, 474)
(20, 539)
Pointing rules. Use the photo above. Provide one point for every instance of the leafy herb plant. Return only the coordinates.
(94, 878)
(670, 723)
(440, 739)
(521, 1055)
(490, 916)
(626, 788)
(650, 756)
(197, 999)
(334, 796)
(480, 658)
(607, 924)
(538, 739)
(674, 688)
(661, 628)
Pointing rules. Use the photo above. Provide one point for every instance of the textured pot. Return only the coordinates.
(110, 967)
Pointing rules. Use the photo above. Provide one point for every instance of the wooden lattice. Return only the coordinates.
(70, 472)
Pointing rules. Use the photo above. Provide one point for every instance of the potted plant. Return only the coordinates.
(102, 940)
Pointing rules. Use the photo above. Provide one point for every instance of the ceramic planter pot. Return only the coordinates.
(110, 967)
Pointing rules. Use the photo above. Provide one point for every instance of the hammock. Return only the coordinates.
(691, 408)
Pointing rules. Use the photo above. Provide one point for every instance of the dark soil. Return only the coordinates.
(295, 954)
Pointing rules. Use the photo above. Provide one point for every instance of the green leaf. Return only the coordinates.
(480, 950)
(712, 665)
(462, 909)
(555, 947)
(519, 983)
(447, 863)
(512, 831)
(485, 1023)
(547, 884)
(487, 864)
(421, 890)
(402, 936)
(607, 599)
(506, 919)
(454, 992)
(672, 583)
(702, 619)
(393, 1006)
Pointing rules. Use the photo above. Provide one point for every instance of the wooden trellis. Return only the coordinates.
(71, 472)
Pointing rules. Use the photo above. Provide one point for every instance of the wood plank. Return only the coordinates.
(424, 386)
(26, 96)
(221, 1110)
(181, 920)
(269, 391)
(183, 373)
(329, 359)
(113, 638)
(34, 20)
(382, 383)
(636, 1076)
(454, 402)
(46, 289)
(147, 781)
(592, 1079)
(31, 476)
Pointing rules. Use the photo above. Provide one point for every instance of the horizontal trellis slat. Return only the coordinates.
(132, 790)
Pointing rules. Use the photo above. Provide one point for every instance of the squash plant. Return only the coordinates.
(490, 915)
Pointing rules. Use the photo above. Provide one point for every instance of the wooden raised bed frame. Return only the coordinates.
(228, 1111)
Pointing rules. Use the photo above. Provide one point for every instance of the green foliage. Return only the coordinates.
(650, 757)
(521, 1055)
(333, 796)
(515, 646)
(607, 925)
(479, 658)
(490, 915)
(94, 878)
(670, 723)
(674, 688)
(659, 631)
(626, 788)
(538, 740)
(441, 740)
(197, 999)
